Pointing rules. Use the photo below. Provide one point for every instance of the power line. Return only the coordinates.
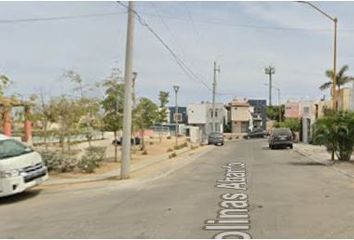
(178, 60)
(27, 20)
(189, 14)
(173, 36)
(252, 26)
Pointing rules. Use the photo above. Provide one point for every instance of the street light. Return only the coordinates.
(335, 21)
(279, 102)
(270, 71)
(176, 88)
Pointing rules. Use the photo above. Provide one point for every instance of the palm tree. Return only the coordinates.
(336, 132)
(342, 79)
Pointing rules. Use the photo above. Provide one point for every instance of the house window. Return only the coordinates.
(211, 113)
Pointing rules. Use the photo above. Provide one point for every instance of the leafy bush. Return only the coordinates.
(183, 145)
(293, 124)
(57, 161)
(91, 159)
(172, 155)
(193, 147)
(336, 132)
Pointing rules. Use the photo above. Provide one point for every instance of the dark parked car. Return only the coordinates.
(216, 138)
(257, 133)
(281, 137)
(120, 141)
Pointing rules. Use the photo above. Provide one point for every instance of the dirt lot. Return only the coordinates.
(153, 148)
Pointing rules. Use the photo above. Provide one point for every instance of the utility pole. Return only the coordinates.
(270, 71)
(279, 103)
(176, 88)
(135, 75)
(213, 100)
(279, 106)
(279, 100)
(334, 84)
(128, 76)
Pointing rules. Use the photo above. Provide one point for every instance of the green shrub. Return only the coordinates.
(50, 159)
(292, 124)
(57, 161)
(172, 155)
(183, 145)
(194, 147)
(91, 159)
(336, 132)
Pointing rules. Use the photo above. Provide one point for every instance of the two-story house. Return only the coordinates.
(202, 116)
(241, 116)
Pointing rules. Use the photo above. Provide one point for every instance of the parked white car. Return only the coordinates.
(20, 167)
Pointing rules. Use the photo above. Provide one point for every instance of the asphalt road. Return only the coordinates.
(288, 196)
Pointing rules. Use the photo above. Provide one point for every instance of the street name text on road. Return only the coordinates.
(232, 219)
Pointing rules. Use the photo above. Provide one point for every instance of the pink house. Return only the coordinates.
(292, 110)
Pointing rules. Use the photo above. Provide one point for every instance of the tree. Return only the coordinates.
(342, 78)
(145, 115)
(67, 112)
(292, 124)
(43, 113)
(113, 109)
(336, 132)
(4, 83)
(91, 117)
(273, 112)
(163, 98)
(75, 78)
(162, 111)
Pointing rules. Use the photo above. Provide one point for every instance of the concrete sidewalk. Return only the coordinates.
(314, 152)
(54, 180)
(320, 155)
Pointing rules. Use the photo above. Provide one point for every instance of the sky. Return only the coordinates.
(243, 37)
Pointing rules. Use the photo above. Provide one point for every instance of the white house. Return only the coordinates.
(201, 115)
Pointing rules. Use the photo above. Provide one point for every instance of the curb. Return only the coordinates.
(116, 174)
(334, 168)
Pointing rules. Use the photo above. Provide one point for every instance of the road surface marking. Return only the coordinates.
(233, 218)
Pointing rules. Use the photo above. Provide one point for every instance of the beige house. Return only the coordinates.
(345, 99)
(241, 117)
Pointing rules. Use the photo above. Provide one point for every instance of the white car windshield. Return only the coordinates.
(12, 148)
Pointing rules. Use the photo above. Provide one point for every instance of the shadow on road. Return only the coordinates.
(276, 149)
(306, 164)
(19, 197)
